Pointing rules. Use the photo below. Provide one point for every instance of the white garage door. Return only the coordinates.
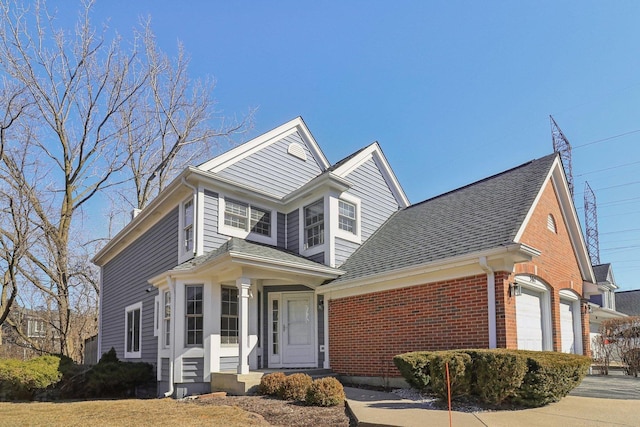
(566, 327)
(529, 320)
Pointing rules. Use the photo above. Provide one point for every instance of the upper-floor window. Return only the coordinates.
(247, 217)
(36, 328)
(194, 314)
(187, 225)
(347, 216)
(314, 224)
(133, 327)
(229, 316)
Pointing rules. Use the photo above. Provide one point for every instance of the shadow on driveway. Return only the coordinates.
(608, 387)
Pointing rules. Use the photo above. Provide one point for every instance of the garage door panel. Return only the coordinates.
(529, 320)
(567, 331)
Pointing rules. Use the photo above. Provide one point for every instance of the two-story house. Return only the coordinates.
(268, 256)
(220, 272)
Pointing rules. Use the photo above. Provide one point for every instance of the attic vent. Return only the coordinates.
(296, 150)
(551, 223)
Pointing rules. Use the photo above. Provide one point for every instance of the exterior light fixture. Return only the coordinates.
(515, 289)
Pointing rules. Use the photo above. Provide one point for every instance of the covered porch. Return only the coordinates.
(237, 311)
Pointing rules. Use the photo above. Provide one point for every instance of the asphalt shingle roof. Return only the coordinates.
(628, 302)
(479, 216)
(601, 272)
(245, 247)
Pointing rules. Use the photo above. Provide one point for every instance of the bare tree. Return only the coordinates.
(93, 117)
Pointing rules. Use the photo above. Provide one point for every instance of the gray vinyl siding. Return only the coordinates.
(273, 170)
(229, 363)
(292, 231)
(164, 369)
(211, 239)
(319, 257)
(377, 203)
(124, 282)
(282, 226)
(192, 369)
(344, 249)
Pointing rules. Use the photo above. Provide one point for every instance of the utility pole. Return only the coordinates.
(561, 145)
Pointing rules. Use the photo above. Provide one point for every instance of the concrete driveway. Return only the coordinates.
(609, 387)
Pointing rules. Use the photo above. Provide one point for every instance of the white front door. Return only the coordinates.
(292, 332)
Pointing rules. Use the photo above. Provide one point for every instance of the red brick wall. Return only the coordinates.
(557, 265)
(366, 331)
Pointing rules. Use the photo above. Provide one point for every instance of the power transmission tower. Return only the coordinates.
(591, 224)
(561, 145)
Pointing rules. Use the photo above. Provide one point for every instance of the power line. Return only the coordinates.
(608, 169)
(606, 139)
(622, 231)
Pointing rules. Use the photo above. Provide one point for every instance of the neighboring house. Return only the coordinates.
(602, 306)
(268, 256)
(628, 302)
(35, 326)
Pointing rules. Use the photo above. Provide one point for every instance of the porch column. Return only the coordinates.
(243, 284)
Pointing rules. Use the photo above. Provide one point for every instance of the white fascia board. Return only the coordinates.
(288, 266)
(374, 151)
(147, 217)
(242, 151)
(516, 252)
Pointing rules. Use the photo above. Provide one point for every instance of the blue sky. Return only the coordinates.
(454, 91)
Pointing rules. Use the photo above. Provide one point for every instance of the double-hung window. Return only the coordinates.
(314, 224)
(347, 216)
(229, 317)
(194, 312)
(187, 225)
(247, 217)
(133, 326)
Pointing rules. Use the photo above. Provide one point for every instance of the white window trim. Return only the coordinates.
(302, 239)
(335, 218)
(183, 254)
(533, 284)
(127, 310)
(247, 234)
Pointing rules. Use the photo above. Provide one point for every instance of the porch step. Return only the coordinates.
(313, 372)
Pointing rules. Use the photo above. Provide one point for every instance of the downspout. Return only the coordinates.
(491, 298)
(172, 287)
(195, 213)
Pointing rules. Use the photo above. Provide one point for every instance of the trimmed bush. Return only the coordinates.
(530, 378)
(414, 368)
(550, 376)
(496, 375)
(325, 392)
(295, 386)
(459, 374)
(22, 380)
(270, 384)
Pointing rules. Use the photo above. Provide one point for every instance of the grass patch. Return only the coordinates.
(130, 412)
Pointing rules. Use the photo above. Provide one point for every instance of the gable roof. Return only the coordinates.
(373, 151)
(601, 272)
(628, 302)
(485, 215)
(238, 153)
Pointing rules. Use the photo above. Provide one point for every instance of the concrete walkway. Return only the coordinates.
(598, 401)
